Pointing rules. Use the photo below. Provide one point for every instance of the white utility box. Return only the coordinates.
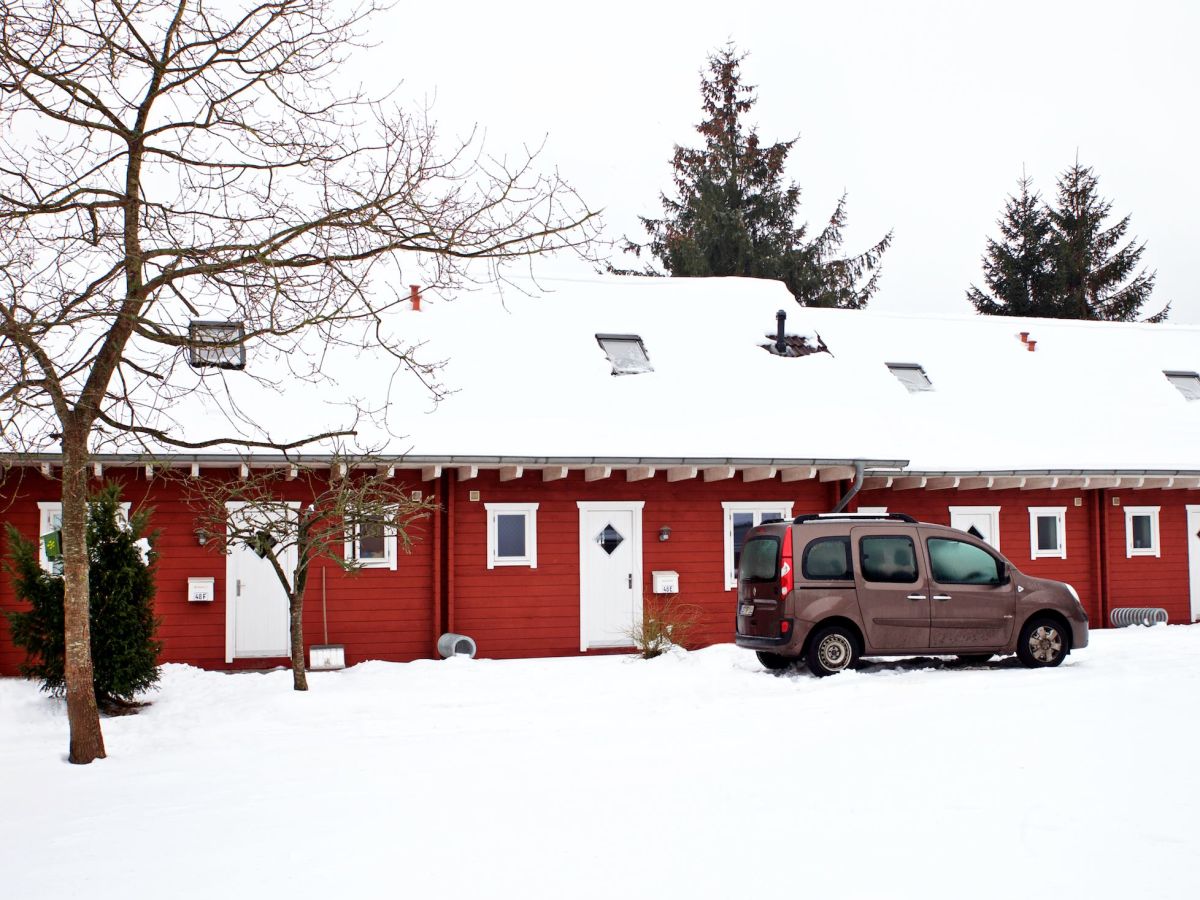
(201, 590)
(665, 582)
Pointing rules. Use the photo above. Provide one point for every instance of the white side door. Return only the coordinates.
(981, 521)
(256, 607)
(1193, 527)
(610, 573)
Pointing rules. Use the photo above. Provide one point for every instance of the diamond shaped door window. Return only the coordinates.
(976, 532)
(609, 539)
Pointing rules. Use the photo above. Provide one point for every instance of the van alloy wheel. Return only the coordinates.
(1043, 643)
(832, 650)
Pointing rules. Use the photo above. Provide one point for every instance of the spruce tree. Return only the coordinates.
(1092, 271)
(121, 597)
(1019, 268)
(734, 214)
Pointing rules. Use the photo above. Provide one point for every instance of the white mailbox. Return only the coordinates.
(665, 582)
(201, 590)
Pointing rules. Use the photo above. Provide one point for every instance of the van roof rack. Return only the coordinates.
(826, 517)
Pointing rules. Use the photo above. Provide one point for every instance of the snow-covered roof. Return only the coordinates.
(529, 380)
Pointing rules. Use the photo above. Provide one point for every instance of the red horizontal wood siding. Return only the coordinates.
(518, 611)
(523, 612)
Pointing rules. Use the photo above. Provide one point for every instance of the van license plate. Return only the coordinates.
(747, 609)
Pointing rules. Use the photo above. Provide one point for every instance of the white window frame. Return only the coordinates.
(47, 511)
(1059, 513)
(529, 510)
(350, 548)
(1155, 548)
(782, 508)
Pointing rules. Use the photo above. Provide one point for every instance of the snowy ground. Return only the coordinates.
(698, 775)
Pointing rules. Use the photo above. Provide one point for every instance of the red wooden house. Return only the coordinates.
(615, 430)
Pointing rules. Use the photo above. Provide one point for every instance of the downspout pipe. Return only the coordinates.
(854, 488)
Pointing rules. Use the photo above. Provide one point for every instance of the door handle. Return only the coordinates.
(916, 597)
(631, 581)
(942, 597)
(239, 587)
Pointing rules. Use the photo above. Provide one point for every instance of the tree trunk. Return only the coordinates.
(296, 613)
(87, 742)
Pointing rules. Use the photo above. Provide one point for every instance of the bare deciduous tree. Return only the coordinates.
(166, 161)
(294, 515)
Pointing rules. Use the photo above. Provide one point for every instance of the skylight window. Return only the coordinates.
(221, 345)
(1187, 382)
(912, 376)
(626, 352)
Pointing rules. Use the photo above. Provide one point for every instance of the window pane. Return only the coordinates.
(827, 558)
(957, 562)
(760, 562)
(742, 523)
(1142, 537)
(370, 541)
(510, 535)
(889, 558)
(770, 517)
(1047, 531)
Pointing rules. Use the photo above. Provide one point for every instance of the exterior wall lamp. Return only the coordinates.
(201, 536)
(664, 533)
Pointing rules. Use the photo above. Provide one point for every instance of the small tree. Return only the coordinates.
(734, 214)
(1019, 268)
(294, 516)
(121, 576)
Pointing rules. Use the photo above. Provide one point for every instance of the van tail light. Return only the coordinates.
(786, 577)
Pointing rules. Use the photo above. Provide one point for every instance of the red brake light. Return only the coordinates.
(785, 564)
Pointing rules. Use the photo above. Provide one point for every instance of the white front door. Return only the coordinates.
(981, 521)
(256, 607)
(610, 573)
(1193, 527)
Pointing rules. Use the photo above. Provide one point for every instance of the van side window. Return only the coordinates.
(891, 558)
(827, 559)
(957, 562)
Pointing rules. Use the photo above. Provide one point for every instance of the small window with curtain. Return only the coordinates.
(511, 534)
(1047, 532)
(1141, 531)
(370, 545)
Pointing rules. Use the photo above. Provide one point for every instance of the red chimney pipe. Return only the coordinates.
(1030, 345)
(1024, 337)
(415, 296)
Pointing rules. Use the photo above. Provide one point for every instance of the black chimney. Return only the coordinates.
(780, 344)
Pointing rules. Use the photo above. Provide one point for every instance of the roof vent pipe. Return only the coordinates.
(414, 294)
(780, 343)
(854, 488)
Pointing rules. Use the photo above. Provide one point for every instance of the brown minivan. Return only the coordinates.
(836, 587)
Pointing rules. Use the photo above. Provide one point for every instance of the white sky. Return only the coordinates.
(925, 111)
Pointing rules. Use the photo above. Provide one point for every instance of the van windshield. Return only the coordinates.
(760, 559)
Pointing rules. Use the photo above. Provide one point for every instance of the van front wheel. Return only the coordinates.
(1043, 643)
(832, 650)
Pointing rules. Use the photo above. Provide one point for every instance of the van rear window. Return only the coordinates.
(760, 559)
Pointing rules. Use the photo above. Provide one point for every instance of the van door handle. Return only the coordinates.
(916, 596)
(941, 597)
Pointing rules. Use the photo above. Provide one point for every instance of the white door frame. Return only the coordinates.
(1193, 544)
(589, 506)
(230, 593)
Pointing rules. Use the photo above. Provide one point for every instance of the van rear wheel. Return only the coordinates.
(773, 661)
(832, 650)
